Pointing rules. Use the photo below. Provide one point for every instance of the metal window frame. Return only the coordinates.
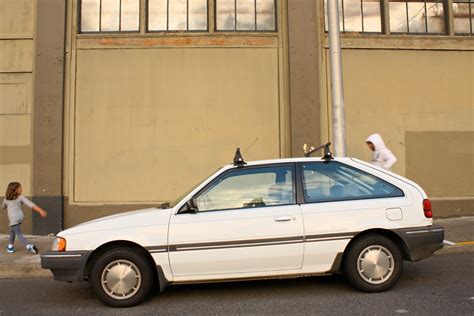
(255, 30)
(426, 33)
(119, 31)
(385, 19)
(147, 25)
(144, 27)
(362, 19)
(343, 10)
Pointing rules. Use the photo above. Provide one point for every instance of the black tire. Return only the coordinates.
(386, 252)
(139, 273)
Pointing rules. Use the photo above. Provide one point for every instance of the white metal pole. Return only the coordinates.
(337, 88)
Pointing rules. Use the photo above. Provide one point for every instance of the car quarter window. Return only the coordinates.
(334, 181)
(249, 187)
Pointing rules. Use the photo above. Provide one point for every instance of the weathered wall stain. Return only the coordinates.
(197, 41)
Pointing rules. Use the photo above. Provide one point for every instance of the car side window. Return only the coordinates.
(249, 187)
(325, 182)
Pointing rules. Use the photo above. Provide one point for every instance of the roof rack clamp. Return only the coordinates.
(238, 159)
(327, 156)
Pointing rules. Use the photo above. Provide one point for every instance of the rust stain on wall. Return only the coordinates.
(221, 41)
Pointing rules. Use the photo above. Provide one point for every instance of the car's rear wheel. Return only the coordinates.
(122, 277)
(373, 263)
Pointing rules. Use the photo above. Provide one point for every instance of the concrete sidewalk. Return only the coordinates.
(24, 264)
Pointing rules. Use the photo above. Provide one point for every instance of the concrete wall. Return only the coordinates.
(17, 42)
(152, 122)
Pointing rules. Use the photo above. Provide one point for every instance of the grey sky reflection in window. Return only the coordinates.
(130, 13)
(372, 16)
(110, 15)
(177, 15)
(197, 15)
(245, 15)
(266, 15)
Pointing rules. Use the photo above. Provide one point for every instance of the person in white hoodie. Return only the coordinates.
(382, 156)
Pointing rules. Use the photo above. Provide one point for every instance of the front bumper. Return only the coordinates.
(422, 242)
(65, 265)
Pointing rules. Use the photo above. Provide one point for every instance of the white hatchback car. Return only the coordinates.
(264, 219)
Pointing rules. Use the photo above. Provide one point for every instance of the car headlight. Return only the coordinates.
(59, 244)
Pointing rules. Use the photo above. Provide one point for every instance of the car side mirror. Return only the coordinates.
(190, 207)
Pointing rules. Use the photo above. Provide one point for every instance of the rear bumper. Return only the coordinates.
(422, 242)
(67, 265)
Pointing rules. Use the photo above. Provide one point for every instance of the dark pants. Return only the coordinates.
(16, 231)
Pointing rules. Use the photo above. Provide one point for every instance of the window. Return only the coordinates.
(110, 16)
(177, 15)
(245, 15)
(358, 16)
(463, 15)
(326, 182)
(415, 16)
(249, 187)
(97, 16)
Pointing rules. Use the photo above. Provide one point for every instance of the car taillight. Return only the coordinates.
(427, 208)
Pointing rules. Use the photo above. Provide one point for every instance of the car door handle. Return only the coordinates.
(282, 219)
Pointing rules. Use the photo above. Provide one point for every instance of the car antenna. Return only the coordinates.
(308, 150)
(251, 145)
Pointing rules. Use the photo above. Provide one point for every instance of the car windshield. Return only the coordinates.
(181, 196)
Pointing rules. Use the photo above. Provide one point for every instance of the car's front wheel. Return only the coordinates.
(373, 263)
(122, 277)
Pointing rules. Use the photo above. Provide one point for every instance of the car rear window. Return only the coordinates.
(325, 182)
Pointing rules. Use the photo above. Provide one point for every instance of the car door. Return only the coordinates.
(247, 221)
(339, 202)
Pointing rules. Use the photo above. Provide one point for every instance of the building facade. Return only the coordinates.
(113, 105)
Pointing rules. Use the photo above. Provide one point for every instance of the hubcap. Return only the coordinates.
(121, 279)
(375, 264)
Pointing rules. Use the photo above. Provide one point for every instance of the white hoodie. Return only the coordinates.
(382, 156)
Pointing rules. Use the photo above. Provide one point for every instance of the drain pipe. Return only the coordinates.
(337, 88)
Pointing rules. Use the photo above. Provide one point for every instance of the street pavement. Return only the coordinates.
(440, 285)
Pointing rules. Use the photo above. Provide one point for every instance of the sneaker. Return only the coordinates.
(33, 249)
(10, 249)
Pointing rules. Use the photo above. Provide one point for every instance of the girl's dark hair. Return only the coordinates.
(11, 193)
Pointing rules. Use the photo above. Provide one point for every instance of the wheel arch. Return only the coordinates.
(393, 236)
(158, 275)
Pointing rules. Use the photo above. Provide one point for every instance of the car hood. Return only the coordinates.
(139, 218)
